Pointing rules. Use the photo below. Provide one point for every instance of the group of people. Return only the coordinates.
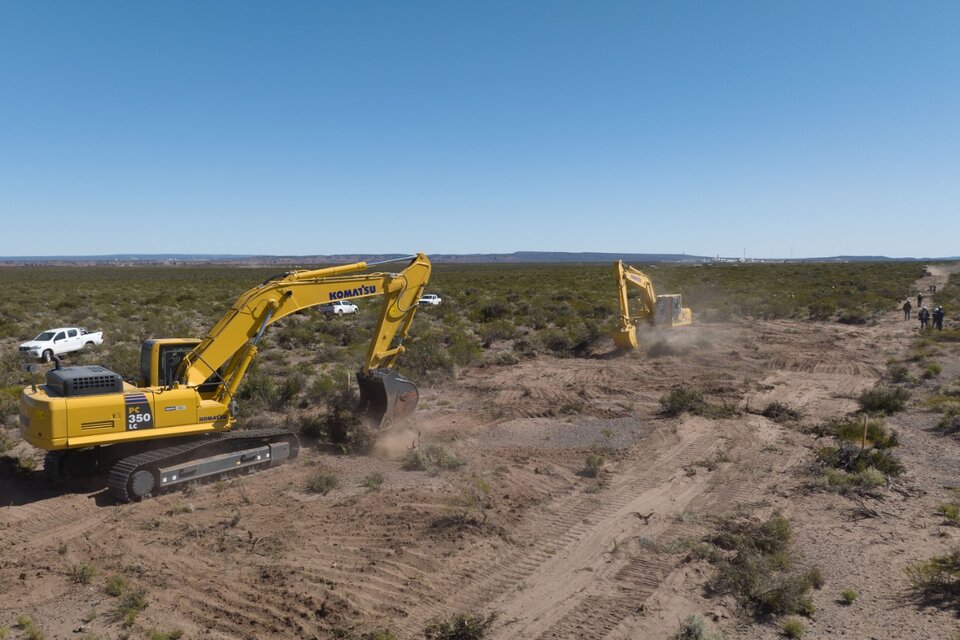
(923, 314)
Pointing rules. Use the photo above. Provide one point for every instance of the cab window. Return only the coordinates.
(60, 336)
(72, 333)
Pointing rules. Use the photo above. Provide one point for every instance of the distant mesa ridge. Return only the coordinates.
(464, 258)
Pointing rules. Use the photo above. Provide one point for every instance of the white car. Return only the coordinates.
(55, 342)
(339, 308)
(430, 298)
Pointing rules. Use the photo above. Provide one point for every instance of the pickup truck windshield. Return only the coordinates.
(45, 336)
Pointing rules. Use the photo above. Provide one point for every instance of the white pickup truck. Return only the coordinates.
(55, 342)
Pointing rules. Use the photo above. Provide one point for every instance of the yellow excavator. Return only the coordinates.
(177, 426)
(664, 310)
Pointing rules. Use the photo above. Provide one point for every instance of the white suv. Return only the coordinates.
(339, 308)
(430, 298)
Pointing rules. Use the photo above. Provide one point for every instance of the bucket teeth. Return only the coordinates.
(385, 397)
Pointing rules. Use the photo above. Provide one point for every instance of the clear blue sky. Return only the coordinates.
(709, 128)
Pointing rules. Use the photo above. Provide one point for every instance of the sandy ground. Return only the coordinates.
(519, 531)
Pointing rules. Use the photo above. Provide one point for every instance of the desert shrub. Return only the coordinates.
(492, 311)
(888, 400)
(853, 459)
(951, 512)
(379, 634)
(878, 436)
(115, 586)
(6, 443)
(322, 482)
(343, 427)
(682, 399)
(463, 348)
(322, 388)
(164, 635)
(431, 458)
(816, 578)
(29, 628)
(592, 465)
(685, 399)
(898, 373)
(504, 358)
(82, 573)
(794, 628)
(373, 480)
(936, 581)
(694, 628)
(853, 316)
(779, 412)
(950, 420)
(931, 370)
(426, 357)
(757, 567)
(463, 626)
(497, 330)
(129, 606)
(821, 310)
(848, 596)
(309, 426)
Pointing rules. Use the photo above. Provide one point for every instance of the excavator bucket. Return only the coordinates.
(625, 335)
(625, 338)
(385, 397)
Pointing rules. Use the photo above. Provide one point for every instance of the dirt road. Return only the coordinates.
(519, 530)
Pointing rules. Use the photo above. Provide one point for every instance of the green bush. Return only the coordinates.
(779, 412)
(694, 628)
(878, 436)
(887, 400)
(115, 586)
(593, 465)
(848, 596)
(936, 581)
(129, 606)
(463, 626)
(29, 628)
(431, 458)
(794, 628)
(755, 564)
(373, 480)
(852, 459)
(323, 483)
(682, 399)
(82, 573)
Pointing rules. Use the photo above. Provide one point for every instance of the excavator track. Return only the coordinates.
(140, 476)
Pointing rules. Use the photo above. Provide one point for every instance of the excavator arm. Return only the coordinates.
(231, 344)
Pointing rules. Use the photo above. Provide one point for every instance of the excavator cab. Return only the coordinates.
(670, 311)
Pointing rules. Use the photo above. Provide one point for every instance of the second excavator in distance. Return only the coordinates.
(177, 426)
(663, 310)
